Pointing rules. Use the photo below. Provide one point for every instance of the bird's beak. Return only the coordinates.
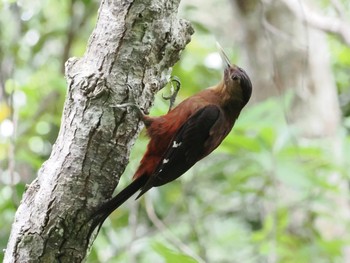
(224, 57)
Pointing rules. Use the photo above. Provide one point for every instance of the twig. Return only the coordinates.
(339, 8)
(133, 223)
(167, 234)
(338, 26)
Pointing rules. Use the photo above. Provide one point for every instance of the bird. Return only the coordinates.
(184, 135)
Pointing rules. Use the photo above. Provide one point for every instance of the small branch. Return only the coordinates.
(338, 26)
(339, 8)
(76, 23)
(167, 234)
(133, 224)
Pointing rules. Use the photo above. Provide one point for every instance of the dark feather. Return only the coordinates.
(190, 141)
(100, 215)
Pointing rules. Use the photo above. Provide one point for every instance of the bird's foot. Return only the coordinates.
(131, 104)
(174, 91)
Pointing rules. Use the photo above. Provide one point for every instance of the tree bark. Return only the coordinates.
(135, 43)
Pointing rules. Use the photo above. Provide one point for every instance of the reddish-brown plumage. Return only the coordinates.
(162, 129)
(184, 135)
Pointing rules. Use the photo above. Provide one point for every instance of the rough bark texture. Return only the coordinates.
(134, 42)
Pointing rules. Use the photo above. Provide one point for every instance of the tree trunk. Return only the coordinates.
(135, 43)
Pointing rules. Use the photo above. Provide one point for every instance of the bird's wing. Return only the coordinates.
(186, 148)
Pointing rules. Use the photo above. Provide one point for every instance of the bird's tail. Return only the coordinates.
(101, 214)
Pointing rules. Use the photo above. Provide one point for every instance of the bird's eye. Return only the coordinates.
(234, 77)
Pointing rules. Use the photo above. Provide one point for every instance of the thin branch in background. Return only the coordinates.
(339, 8)
(305, 58)
(196, 232)
(12, 149)
(270, 30)
(281, 34)
(167, 234)
(133, 224)
(7, 64)
(339, 26)
(6, 74)
(71, 31)
(188, 191)
(6, 70)
(76, 23)
(11, 158)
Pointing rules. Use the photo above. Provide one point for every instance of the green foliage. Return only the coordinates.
(341, 65)
(260, 195)
(170, 256)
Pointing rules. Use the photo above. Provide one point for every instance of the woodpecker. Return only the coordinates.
(185, 135)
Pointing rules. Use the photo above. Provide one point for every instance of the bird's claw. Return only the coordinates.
(174, 91)
(132, 103)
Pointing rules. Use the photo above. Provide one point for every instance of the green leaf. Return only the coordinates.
(170, 255)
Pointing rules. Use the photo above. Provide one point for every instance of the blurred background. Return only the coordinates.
(276, 190)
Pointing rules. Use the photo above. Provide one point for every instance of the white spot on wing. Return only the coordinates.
(175, 144)
(165, 161)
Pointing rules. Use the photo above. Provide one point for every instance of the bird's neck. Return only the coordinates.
(229, 95)
(230, 99)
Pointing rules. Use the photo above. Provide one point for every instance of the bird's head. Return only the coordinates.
(235, 78)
